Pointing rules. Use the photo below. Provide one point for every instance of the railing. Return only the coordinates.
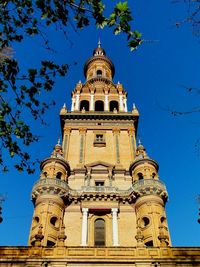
(98, 189)
(51, 181)
(137, 186)
(148, 183)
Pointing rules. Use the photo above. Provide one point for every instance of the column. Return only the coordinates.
(106, 103)
(77, 101)
(92, 102)
(66, 141)
(82, 132)
(116, 132)
(115, 226)
(73, 102)
(131, 133)
(84, 227)
(125, 105)
(121, 107)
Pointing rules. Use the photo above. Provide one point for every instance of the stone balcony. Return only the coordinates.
(150, 186)
(99, 189)
(50, 186)
(60, 188)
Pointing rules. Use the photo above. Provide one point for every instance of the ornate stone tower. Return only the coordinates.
(100, 188)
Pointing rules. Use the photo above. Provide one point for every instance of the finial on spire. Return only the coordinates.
(58, 141)
(139, 141)
(64, 105)
(57, 151)
(134, 107)
(99, 43)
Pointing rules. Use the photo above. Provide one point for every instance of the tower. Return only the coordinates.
(99, 188)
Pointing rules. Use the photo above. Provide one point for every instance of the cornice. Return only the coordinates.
(98, 115)
(138, 162)
(56, 160)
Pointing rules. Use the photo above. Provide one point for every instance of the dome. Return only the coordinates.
(99, 52)
(100, 55)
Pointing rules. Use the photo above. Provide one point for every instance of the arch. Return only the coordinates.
(114, 105)
(99, 232)
(99, 73)
(99, 105)
(84, 104)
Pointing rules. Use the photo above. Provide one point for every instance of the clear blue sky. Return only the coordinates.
(153, 77)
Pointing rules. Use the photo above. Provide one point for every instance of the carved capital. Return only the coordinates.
(67, 130)
(116, 130)
(82, 130)
(131, 131)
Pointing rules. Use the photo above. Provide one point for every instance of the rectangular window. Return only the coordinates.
(99, 183)
(99, 233)
(99, 140)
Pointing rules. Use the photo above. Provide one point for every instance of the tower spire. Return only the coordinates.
(99, 43)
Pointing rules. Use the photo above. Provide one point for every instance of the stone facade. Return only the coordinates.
(105, 256)
(99, 199)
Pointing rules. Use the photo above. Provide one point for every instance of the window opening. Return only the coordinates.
(149, 243)
(84, 104)
(99, 183)
(50, 243)
(58, 175)
(114, 105)
(36, 219)
(99, 232)
(99, 73)
(153, 175)
(99, 138)
(145, 221)
(99, 105)
(140, 176)
(54, 221)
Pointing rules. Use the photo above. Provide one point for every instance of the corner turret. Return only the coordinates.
(150, 202)
(49, 196)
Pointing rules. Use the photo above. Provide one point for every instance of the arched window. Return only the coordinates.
(99, 232)
(84, 104)
(149, 243)
(54, 221)
(114, 105)
(99, 105)
(140, 176)
(59, 175)
(99, 73)
(50, 243)
(145, 222)
(153, 175)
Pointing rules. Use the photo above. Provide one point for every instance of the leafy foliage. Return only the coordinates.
(20, 19)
